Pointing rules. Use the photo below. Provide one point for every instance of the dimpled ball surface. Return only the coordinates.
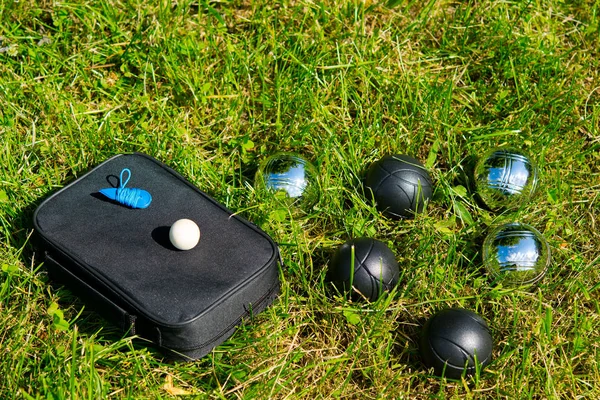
(505, 178)
(289, 176)
(375, 268)
(451, 341)
(516, 254)
(184, 234)
(399, 184)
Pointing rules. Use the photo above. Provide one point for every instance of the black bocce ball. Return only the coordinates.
(375, 268)
(453, 339)
(399, 185)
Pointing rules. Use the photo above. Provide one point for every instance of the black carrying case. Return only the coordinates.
(120, 261)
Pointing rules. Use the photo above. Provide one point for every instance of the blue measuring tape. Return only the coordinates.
(130, 197)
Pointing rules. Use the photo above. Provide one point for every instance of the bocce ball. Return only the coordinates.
(505, 178)
(184, 234)
(516, 254)
(374, 271)
(399, 185)
(289, 176)
(453, 340)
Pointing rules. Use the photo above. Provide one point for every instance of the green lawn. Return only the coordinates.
(213, 88)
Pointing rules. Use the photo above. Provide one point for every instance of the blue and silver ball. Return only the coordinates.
(516, 254)
(505, 178)
(289, 177)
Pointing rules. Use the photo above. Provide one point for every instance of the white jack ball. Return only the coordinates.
(184, 234)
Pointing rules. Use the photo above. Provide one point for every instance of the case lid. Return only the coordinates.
(129, 249)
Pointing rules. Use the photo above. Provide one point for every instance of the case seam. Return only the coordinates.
(273, 290)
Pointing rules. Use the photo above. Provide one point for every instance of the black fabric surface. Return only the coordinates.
(129, 249)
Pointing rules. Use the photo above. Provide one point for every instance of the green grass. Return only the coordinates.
(213, 88)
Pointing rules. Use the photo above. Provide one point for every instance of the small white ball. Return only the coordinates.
(184, 234)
